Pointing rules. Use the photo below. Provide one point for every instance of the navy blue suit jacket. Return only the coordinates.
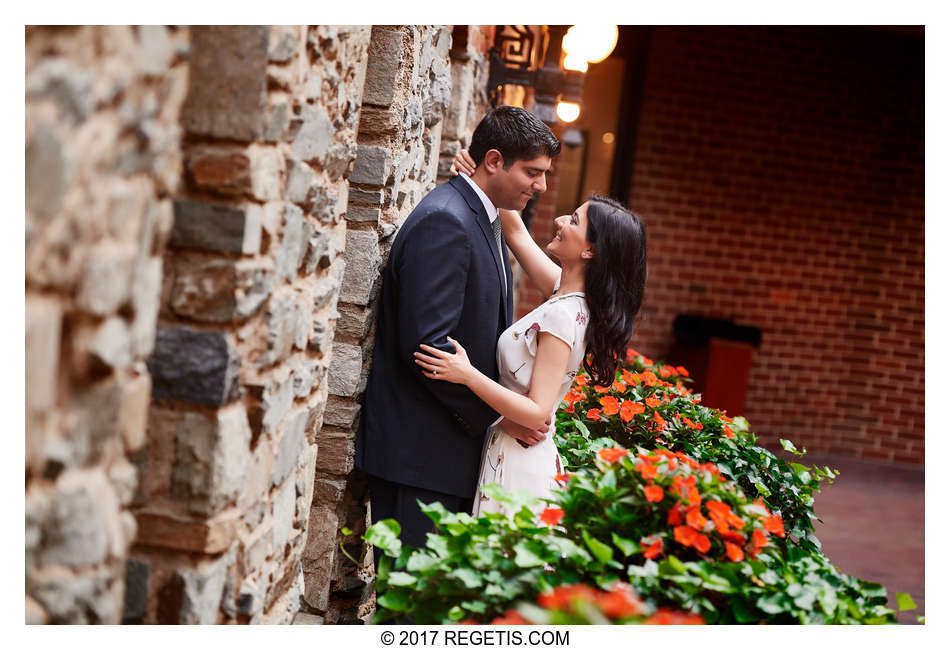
(443, 278)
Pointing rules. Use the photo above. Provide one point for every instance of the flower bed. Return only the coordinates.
(662, 494)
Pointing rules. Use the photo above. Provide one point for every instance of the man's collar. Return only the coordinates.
(490, 208)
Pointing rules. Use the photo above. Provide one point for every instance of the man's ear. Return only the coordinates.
(493, 161)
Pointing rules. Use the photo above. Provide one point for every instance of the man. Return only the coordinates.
(448, 275)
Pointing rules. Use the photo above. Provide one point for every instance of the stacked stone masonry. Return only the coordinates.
(102, 168)
(208, 213)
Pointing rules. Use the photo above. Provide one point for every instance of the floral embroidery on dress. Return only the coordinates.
(581, 318)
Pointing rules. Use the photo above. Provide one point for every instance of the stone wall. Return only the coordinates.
(408, 88)
(197, 340)
(102, 163)
(248, 310)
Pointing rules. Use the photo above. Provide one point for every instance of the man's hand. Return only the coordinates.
(526, 437)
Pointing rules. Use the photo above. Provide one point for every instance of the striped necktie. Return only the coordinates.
(496, 230)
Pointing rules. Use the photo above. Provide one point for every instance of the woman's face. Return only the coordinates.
(570, 239)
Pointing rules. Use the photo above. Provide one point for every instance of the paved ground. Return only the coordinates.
(873, 526)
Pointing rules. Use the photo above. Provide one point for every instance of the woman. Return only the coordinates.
(595, 294)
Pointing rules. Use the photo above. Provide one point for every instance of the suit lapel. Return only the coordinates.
(501, 266)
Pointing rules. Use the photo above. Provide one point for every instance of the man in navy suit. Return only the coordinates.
(447, 275)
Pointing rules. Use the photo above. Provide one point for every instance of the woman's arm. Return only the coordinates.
(539, 267)
(531, 410)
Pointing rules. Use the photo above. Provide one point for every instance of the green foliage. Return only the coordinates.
(788, 488)
(471, 568)
(696, 517)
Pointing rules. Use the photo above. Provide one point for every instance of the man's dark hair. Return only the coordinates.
(516, 133)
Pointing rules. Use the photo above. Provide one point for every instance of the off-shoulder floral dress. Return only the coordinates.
(504, 460)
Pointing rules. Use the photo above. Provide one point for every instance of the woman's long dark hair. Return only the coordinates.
(614, 284)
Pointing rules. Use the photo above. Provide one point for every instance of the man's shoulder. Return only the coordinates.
(443, 202)
(444, 196)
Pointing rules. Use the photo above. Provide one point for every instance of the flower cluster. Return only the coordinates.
(673, 504)
(645, 401)
(580, 604)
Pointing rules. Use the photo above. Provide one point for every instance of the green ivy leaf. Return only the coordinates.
(773, 604)
(385, 535)
(421, 562)
(789, 447)
(468, 577)
(904, 601)
(626, 546)
(401, 579)
(525, 557)
(600, 550)
(397, 601)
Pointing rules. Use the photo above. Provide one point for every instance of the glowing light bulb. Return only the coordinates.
(568, 111)
(593, 43)
(574, 62)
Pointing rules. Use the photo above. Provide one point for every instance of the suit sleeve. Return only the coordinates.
(433, 273)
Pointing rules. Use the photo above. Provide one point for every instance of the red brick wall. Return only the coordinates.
(780, 175)
(779, 171)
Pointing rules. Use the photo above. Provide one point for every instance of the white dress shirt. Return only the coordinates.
(489, 206)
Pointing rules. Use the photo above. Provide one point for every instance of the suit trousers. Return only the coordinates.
(390, 500)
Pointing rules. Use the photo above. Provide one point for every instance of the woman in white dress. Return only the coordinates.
(595, 294)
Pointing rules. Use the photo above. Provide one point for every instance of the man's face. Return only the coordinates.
(515, 186)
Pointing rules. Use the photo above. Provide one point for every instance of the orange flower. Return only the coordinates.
(629, 377)
(612, 454)
(729, 432)
(660, 422)
(552, 516)
(653, 493)
(632, 354)
(693, 497)
(562, 478)
(582, 380)
(665, 616)
(628, 409)
(569, 409)
(647, 470)
(732, 536)
(734, 520)
(618, 386)
(620, 602)
(648, 378)
(601, 389)
(695, 519)
(683, 371)
(574, 395)
(684, 535)
(467, 621)
(759, 538)
(734, 553)
(563, 596)
(652, 402)
(774, 525)
(701, 543)
(511, 617)
(654, 546)
(675, 517)
(665, 372)
(610, 404)
(647, 362)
